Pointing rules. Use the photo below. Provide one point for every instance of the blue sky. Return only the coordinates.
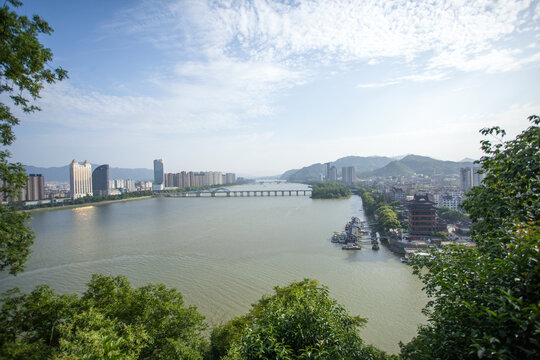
(259, 87)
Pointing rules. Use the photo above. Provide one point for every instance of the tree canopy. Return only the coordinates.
(111, 320)
(24, 69)
(330, 191)
(485, 300)
(299, 321)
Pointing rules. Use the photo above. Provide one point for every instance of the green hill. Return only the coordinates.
(315, 171)
(395, 168)
(380, 166)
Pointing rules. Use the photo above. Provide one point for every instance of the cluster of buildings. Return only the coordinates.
(188, 179)
(348, 174)
(448, 192)
(33, 191)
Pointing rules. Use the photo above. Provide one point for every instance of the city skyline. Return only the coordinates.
(240, 87)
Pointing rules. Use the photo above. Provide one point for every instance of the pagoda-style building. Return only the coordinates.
(422, 216)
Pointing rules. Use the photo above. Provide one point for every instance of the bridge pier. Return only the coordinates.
(213, 194)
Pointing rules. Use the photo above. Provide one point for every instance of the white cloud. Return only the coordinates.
(230, 58)
(376, 85)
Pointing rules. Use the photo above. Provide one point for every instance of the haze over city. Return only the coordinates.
(261, 87)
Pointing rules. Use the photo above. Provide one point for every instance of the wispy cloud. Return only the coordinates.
(228, 59)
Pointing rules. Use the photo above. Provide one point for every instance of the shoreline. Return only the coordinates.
(86, 204)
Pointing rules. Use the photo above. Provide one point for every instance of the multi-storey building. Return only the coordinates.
(35, 187)
(470, 177)
(80, 179)
(230, 178)
(422, 216)
(33, 191)
(333, 174)
(100, 180)
(159, 181)
(348, 174)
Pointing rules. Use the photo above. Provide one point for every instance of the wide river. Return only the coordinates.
(223, 254)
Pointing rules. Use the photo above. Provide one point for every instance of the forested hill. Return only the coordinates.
(313, 172)
(411, 164)
(380, 166)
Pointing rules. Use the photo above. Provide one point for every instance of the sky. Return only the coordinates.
(260, 87)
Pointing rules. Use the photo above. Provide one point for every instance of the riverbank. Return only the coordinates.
(97, 203)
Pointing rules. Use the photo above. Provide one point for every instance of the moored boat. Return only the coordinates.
(351, 247)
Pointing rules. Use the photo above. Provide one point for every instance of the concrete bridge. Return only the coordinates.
(235, 193)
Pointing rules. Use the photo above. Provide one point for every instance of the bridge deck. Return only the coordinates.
(236, 193)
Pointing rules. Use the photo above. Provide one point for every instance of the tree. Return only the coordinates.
(111, 320)
(451, 216)
(509, 195)
(330, 191)
(24, 68)
(485, 300)
(299, 321)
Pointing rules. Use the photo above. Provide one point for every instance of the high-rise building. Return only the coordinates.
(80, 179)
(230, 178)
(348, 174)
(333, 174)
(158, 175)
(100, 180)
(33, 191)
(470, 177)
(35, 187)
(327, 175)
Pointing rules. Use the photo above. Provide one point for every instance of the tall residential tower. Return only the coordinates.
(80, 179)
(159, 175)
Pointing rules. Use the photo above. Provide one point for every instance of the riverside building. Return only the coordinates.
(159, 175)
(100, 180)
(80, 179)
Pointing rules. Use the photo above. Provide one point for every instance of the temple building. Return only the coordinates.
(422, 216)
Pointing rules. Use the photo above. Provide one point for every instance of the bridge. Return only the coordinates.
(222, 192)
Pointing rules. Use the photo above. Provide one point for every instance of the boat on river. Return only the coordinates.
(351, 247)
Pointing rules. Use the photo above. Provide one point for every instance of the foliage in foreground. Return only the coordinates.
(330, 191)
(111, 320)
(299, 321)
(485, 301)
(24, 68)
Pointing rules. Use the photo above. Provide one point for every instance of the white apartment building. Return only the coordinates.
(80, 179)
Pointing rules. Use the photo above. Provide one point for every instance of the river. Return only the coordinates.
(224, 253)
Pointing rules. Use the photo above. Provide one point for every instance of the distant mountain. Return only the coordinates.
(380, 166)
(411, 164)
(315, 171)
(395, 168)
(61, 174)
(428, 166)
(467, 160)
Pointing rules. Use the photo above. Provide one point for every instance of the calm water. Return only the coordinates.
(224, 253)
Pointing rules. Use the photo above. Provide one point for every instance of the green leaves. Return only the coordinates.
(111, 320)
(330, 191)
(24, 68)
(485, 300)
(299, 321)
